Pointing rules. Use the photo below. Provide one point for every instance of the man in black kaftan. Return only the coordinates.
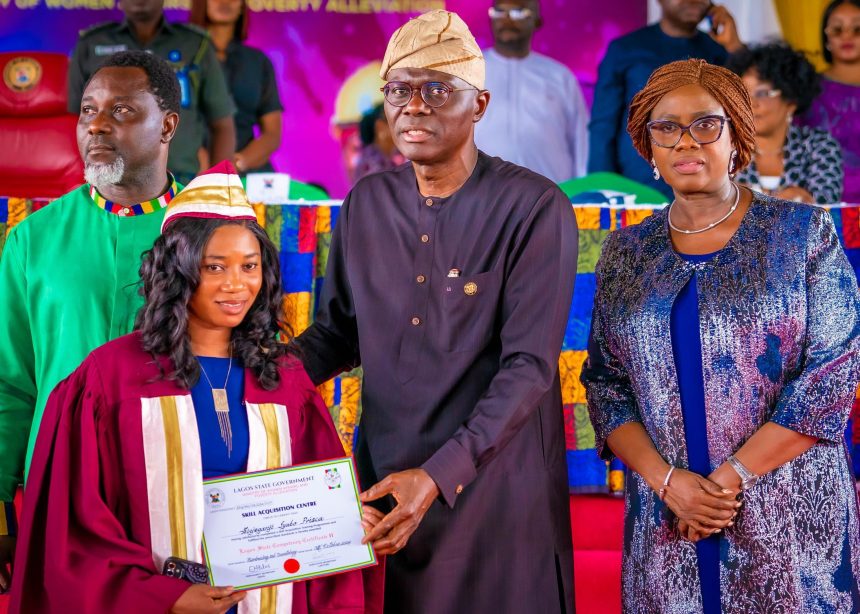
(449, 280)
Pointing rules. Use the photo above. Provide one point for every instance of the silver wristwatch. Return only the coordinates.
(748, 478)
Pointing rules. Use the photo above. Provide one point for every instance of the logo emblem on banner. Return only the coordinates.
(22, 74)
(268, 188)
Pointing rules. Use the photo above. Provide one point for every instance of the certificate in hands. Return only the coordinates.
(283, 525)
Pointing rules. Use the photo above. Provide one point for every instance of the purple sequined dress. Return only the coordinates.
(837, 110)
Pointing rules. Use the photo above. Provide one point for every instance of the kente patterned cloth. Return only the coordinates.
(779, 310)
(303, 235)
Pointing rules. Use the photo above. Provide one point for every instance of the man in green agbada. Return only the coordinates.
(69, 272)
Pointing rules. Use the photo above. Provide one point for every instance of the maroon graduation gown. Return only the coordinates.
(85, 541)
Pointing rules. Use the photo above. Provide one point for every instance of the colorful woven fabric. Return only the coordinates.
(12, 211)
(303, 235)
(586, 471)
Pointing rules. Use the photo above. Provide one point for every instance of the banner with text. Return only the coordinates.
(326, 55)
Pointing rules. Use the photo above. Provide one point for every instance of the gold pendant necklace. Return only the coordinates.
(222, 406)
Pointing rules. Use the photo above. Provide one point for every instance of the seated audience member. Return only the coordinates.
(251, 79)
(791, 162)
(837, 109)
(538, 117)
(628, 63)
(204, 383)
(378, 152)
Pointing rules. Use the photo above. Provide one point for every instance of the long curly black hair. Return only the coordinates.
(170, 274)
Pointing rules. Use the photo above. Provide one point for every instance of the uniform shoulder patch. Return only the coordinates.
(193, 28)
(99, 27)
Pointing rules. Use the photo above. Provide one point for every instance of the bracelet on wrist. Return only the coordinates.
(662, 492)
(748, 478)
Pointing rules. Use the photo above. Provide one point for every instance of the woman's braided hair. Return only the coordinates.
(726, 88)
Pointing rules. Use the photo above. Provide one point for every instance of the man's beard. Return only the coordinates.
(103, 175)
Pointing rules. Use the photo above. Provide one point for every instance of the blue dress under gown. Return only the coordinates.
(213, 450)
(687, 351)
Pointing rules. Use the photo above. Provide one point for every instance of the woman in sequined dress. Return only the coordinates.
(722, 366)
(837, 108)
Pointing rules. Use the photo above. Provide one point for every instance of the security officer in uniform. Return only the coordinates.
(206, 101)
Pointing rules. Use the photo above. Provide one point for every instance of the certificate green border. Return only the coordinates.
(293, 578)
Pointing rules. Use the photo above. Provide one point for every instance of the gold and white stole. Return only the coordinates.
(174, 482)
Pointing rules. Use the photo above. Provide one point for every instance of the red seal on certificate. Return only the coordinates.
(291, 565)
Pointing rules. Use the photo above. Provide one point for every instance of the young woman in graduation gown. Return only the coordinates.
(115, 485)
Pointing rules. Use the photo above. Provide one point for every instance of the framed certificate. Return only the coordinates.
(283, 525)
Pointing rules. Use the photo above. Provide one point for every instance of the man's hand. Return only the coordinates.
(7, 554)
(414, 490)
(723, 28)
(205, 599)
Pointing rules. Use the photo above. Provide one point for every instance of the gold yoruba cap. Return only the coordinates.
(437, 40)
(214, 194)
